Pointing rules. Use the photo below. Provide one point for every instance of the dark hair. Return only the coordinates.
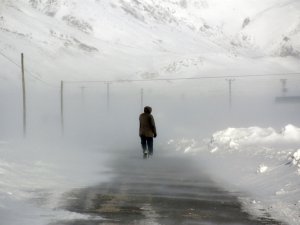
(147, 109)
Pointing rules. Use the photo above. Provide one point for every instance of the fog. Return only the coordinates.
(87, 134)
(101, 129)
(184, 108)
(100, 133)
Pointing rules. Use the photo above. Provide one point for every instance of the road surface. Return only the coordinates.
(163, 190)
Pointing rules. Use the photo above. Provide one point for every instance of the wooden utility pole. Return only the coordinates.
(284, 90)
(24, 96)
(62, 106)
(107, 96)
(142, 99)
(230, 91)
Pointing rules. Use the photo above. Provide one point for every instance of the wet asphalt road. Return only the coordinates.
(163, 190)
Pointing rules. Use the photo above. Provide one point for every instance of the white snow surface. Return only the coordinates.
(261, 163)
(81, 40)
(33, 181)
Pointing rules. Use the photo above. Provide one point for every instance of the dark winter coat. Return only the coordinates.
(147, 125)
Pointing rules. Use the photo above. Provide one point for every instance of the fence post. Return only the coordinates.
(230, 91)
(142, 99)
(24, 97)
(62, 107)
(107, 96)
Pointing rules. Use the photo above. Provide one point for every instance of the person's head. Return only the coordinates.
(147, 109)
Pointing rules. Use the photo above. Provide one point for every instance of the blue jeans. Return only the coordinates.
(147, 144)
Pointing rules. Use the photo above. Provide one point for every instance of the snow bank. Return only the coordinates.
(261, 163)
(33, 178)
(296, 159)
(238, 138)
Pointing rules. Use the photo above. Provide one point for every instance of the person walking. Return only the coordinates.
(147, 130)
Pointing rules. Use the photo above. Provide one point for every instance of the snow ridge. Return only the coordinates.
(169, 36)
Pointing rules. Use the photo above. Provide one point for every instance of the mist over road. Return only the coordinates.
(166, 189)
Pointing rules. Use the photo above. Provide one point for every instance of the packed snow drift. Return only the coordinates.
(261, 162)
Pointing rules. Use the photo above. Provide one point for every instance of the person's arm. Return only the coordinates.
(140, 128)
(153, 126)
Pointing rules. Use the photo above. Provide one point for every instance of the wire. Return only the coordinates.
(36, 76)
(10, 60)
(33, 75)
(186, 78)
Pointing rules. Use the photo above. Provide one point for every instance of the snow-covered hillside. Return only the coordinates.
(121, 39)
